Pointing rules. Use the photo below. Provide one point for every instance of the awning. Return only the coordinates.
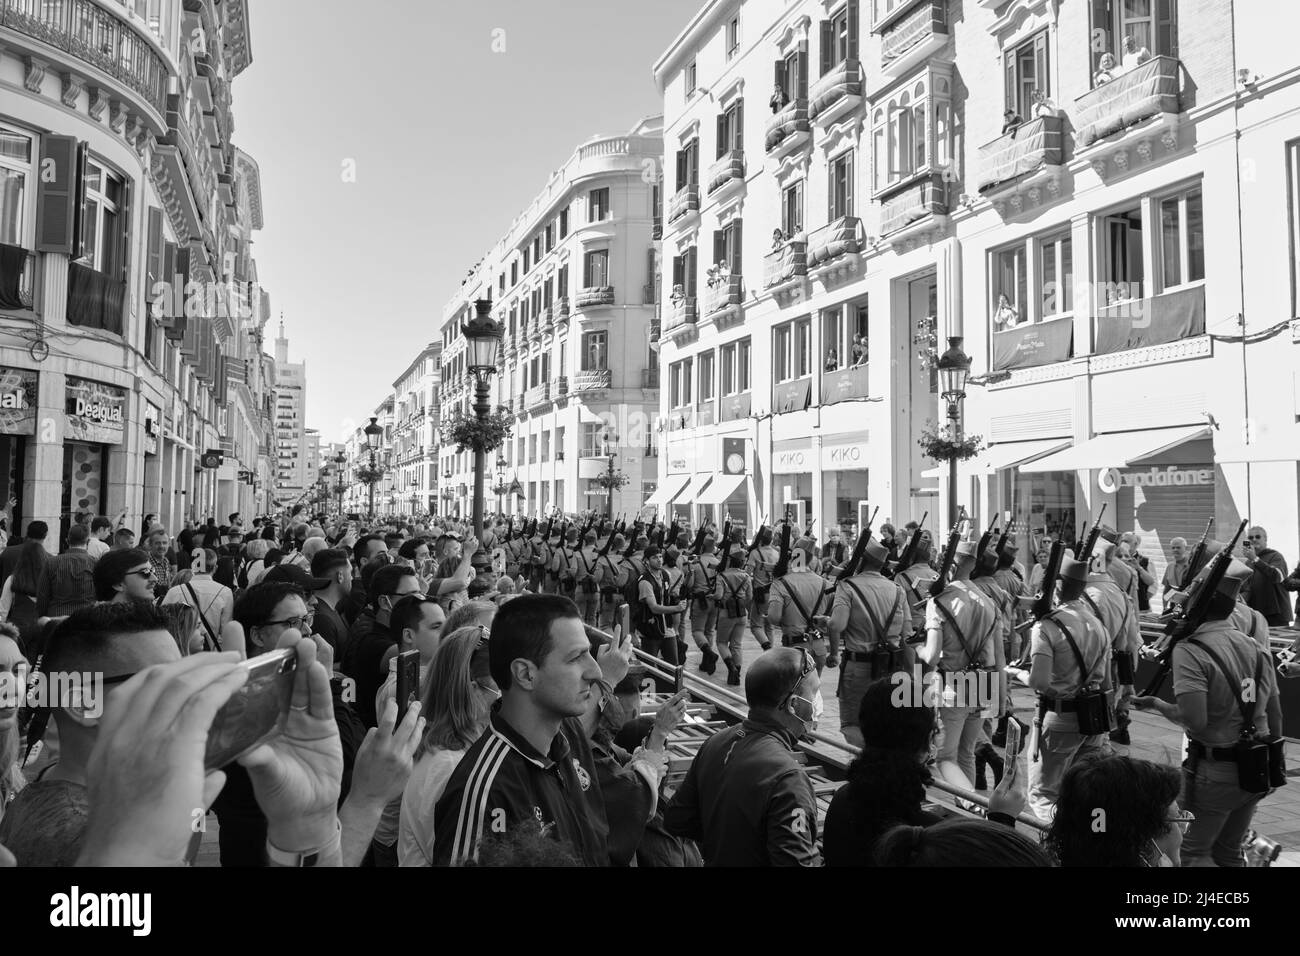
(1003, 455)
(723, 487)
(664, 493)
(692, 493)
(1119, 449)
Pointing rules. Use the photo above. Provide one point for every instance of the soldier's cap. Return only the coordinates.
(1108, 534)
(805, 545)
(591, 537)
(874, 553)
(1072, 570)
(966, 549)
(1213, 547)
(1234, 578)
(1010, 547)
(572, 535)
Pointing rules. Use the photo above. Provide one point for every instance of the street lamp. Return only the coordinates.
(340, 460)
(611, 443)
(500, 487)
(415, 494)
(954, 369)
(373, 431)
(482, 340)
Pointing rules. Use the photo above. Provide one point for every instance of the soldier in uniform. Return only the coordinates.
(1118, 615)
(760, 564)
(1072, 632)
(1210, 670)
(964, 643)
(587, 594)
(562, 570)
(916, 580)
(703, 572)
(1244, 617)
(733, 592)
(868, 610)
(609, 581)
(794, 605)
(538, 559)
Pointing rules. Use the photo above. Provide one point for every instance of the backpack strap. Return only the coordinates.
(1234, 684)
(1085, 671)
(882, 631)
(202, 616)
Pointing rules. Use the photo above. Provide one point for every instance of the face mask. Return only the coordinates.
(1162, 859)
(819, 707)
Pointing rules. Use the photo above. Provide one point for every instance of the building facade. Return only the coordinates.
(124, 266)
(293, 460)
(1102, 232)
(573, 283)
(415, 434)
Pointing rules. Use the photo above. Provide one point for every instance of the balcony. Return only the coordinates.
(836, 93)
(537, 396)
(844, 384)
(95, 301)
(649, 378)
(92, 34)
(724, 298)
(910, 35)
(727, 172)
(587, 380)
(836, 245)
(683, 315)
(734, 407)
(1147, 91)
(914, 206)
(17, 278)
(1019, 163)
(685, 202)
(595, 297)
(787, 265)
(788, 130)
(1156, 320)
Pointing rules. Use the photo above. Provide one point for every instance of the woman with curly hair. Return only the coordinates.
(1117, 811)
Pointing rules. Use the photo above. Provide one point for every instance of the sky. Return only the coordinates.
(397, 139)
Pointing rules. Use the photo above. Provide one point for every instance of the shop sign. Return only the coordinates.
(1110, 480)
(848, 456)
(18, 396)
(96, 412)
(152, 426)
(796, 461)
(681, 459)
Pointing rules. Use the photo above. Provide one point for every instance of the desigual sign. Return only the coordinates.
(1110, 480)
(18, 389)
(96, 412)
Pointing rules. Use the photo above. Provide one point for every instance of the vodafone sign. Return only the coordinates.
(1110, 480)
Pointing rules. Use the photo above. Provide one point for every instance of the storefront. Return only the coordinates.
(95, 421)
(792, 477)
(18, 397)
(844, 480)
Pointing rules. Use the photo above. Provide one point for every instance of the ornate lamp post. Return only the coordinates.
(373, 431)
(500, 488)
(610, 450)
(954, 369)
(483, 339)
(415, 495)
(340, 460)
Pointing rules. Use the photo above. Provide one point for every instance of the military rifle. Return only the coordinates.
(949, 553)
(909, 550)
(1197, 559)
(1085, 553)
(977, 571)
(783, 558)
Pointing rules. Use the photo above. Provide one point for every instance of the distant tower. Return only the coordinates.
(281, 345)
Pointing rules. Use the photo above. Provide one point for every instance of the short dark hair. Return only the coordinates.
(959, 842)
(88, 630)
(232, 517)
(77, 535)
(386, 581)
(361, 547)
(328, 560)
(409, 547)
(255, 605)
(123, 534)
(110, 570)
(406, 613)
(100, 523)
(522, 628)
(37, 530)
(392, 538)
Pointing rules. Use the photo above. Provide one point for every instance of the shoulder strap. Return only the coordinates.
(1085, 671)
(203, 617)
(807, 618)
(1234, 685)
(881, 631)
(961, 637)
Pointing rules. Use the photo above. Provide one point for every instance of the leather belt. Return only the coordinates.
(858, 657)
(1054, 706)
(1202, 752)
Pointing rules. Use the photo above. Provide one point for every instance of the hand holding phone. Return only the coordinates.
(408, 682)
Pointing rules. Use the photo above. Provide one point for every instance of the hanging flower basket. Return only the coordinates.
(368, 476)
(615, 481)
(937, 446)
(470, 434)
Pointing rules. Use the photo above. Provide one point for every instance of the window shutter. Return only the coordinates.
(176, 326)
(650, 275)
(848, 184)
(1041, 76)
(1100, 39)
(1009, 74)
(693, 161)
(852, 14)
(735, 248)
(58, 203)
(1166, 28)
(681, 169)
(154, 254)
(828, 42)
(801, 61)
(740, 125)
(722, 135)
(780, 81)
(690, 271)
(719, 246)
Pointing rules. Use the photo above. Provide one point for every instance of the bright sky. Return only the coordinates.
(448, 139)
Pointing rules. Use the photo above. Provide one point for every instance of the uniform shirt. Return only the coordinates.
(855, 626)
(1001, 599)
(733, 592)
(1251, 623)
(761, 563)
(746, 799)
(1009, 581)
(976, 615)
(1090, 637)
(608, 574)
(916, 582)
(1195, 672)
(504, 780)
(806, 586)
(584, 564)
(703, 573)
(1117, 614)
(1126, 579)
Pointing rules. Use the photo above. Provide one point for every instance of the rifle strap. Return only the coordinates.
(1234, 683)
(961, 636)
(1085, 671)
(881, 631)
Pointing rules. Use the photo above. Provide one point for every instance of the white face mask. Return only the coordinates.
(819, 707)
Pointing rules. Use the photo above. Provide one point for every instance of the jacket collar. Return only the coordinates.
(559, 746)
(764, 720)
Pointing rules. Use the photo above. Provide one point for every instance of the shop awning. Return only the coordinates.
(723, 487)
(1003, 455)
(692, 493)
(664, 493)
(1118, 450)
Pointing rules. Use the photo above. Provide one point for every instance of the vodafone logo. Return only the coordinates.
(1108, 480)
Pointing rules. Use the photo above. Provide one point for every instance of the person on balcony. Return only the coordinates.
(1006, 316)
(778, 239)
(859, 350)
(832, 361)
(1133, 55)
(780, 99)
(1105, 70)
(1010, 121)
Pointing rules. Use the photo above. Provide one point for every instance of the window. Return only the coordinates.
(726, 247)
(1182, 239)
(679, 378)
(688, 165)
(792, 209)
(684, 270)
(103, 243)
(731, 129)
(803, 348)
(595, 352)
(595, 269)
(548, 292)
(1056, 267)
(1121, 268)
(783, 353)
(519, 454)
(1293, 195)
(833, 339)
(688, 367)
(501, 283)
(590, 439)
(733, 36)
(564, 223)
(838, 37)
(562, 282)
(706, 377)
(791, 76)
(550, 238)
(526, 262)
(913, 132)
(841, 183)
(15, 173)
(742, 365)
(1027, 76)
(1033, 281)
(1152, 24)
(1010, 283)
(598, 205)
(559, 440)
(514, 272)
(546, 446)
(532, 449)
(537, 249)
(691, 77)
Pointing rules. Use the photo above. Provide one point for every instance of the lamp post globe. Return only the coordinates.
(482, 342)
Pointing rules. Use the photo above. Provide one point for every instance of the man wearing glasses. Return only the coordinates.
(372, 636)
(1265, 591)
(746, 799)
(122, 576)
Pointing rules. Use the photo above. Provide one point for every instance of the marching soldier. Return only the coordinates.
(703, 573)
(587, 594)
(870, 614)
(760, 565)
(562, 570)
(1227, 703)
(794, 602)
(964, 643)
(609, 580)
(733, 593)
(1118, 615)
(916, 580)
(1071, 654)
(538, 560)
(1244, 617)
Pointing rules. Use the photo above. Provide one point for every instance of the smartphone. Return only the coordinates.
(1013, 740)
(408, 682)
(256, 711)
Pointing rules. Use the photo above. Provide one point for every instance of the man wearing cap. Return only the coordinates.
(703, 575)
(794, 611)
(1265, 591)
(609, 572)
(1244, 617)
(746, 799)
(760, 564)
(964, 643)
(540, 560)
(1118, 614)
(587, 591)
(916, 579)
(870, 613)
(1111, 556)
(1069, 634)
(1209, 707)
